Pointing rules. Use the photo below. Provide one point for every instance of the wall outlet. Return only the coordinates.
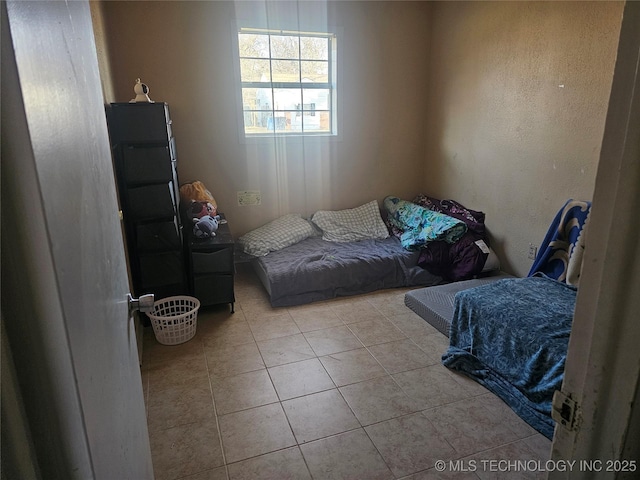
(249, 197)
(533, 251)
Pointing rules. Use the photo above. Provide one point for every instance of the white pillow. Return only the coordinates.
(351, 225)
(277, 234)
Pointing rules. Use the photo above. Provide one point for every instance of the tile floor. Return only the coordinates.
(350, 388)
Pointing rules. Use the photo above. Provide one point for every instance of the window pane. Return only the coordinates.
(286, 71)
(319, 98)
(256, 122)
(253, 45)
(254, 70)
(287, 98)
(312, 48)
(296, 122)
(315, 72)
(256, 99)
(279, 121)
(284, 46)
(316, 121)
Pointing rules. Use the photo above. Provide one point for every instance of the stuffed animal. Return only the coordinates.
(206, 226)
(200, 209)
(197, 192)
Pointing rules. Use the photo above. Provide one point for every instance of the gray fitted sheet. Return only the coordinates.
(435, 304)
(314, 269)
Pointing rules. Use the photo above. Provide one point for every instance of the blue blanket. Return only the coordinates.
(421, 225)
(560, 254)
(512, 336)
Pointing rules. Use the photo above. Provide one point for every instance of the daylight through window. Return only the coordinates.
(288, 82)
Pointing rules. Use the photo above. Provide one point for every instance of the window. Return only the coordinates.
(288, 82)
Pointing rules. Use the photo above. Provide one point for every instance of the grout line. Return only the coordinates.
(215, 411)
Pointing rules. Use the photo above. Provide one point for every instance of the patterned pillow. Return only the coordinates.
(351, 225)
(275, 235)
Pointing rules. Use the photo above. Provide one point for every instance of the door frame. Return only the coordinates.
(603, 360)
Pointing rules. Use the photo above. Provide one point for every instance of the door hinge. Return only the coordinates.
(565, 410)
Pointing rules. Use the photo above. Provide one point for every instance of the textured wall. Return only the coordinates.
(184, 52)
(518, 98)
(499, 105)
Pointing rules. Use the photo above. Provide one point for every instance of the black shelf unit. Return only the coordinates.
(145, 161)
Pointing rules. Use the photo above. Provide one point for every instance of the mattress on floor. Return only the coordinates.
(314, 269)
(435, 304)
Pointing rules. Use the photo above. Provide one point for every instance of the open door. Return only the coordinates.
(64, 277)
(602, 374)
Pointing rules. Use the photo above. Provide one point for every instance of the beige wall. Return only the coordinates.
(518, 98)
(184, 52)
(498, 105)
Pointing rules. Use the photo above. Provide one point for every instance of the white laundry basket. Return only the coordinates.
(174, 319)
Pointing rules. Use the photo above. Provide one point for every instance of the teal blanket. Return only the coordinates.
(421, 225)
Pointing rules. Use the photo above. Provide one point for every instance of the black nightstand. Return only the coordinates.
(212, 267)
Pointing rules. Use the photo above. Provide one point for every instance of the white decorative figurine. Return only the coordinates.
(141, 90)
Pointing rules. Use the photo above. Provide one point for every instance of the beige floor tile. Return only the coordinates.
(389, 302)
(468, 424)
(300, 378)
(430, 386)
(214, 314)
(279, 351)
(373, 332)
(489, 468)
(219, 473)
(469, 384)
(434, 345)
(254, 432)
(227, 332)
(500, 409)
(448, 474)
(266, 328)
(409, 444)
(319, 415)
(154, 353)
(258, 308)
(145, 386)
(248, 288)
(358, 310)
(185, 403)
(185, 450)
(378, 399)
(400, 356)
(310, 318)
(243, 391)
(250, 293)
(332, 340)
(411, 324)
(539, 444)
(233, 360)
(349, 455)
(285, 464)
(173, 375)
(352, 367)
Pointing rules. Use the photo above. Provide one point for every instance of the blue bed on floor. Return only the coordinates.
(512, 335)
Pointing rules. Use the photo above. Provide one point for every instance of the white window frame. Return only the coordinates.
(331, 85)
